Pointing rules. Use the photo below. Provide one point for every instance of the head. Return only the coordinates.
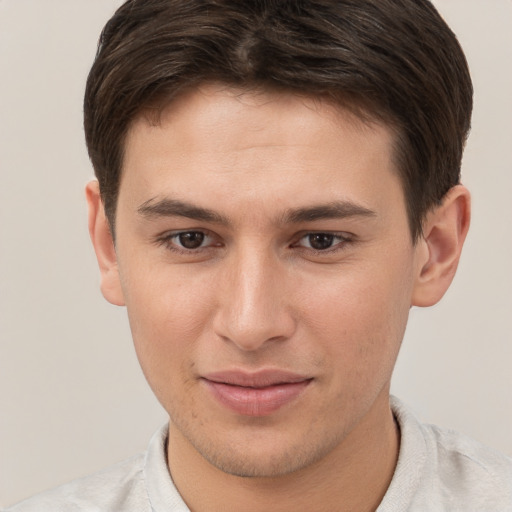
(277, 187)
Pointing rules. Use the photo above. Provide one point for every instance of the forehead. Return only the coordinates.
(267, 145)
(212, 104)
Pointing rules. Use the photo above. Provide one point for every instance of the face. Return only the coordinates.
(265, 259)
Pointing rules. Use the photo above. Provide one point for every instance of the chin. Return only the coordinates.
(258, 465)
(265, 457)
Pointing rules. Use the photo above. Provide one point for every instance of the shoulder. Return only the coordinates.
(464, 467)
(440, 469)
(120, 487)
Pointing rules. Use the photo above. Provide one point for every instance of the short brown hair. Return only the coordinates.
(396, 60)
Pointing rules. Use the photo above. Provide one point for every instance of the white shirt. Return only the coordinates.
(437, 470)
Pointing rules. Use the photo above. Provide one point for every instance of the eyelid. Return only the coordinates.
(166, 239)
(345, 238)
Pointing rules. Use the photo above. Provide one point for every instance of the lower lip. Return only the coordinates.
(256, 401)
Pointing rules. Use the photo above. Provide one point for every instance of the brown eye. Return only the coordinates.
(191, 239)
(325, 241)
(320, 241)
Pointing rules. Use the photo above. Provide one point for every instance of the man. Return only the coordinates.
(278, 183)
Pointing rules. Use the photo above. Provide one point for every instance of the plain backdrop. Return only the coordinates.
(72, 397)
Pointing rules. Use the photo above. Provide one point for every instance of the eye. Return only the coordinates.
(190, 239)
(323, 241)
(187, 241)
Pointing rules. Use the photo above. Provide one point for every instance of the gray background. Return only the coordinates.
(72, 397)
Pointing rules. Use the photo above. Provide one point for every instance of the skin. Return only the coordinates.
(255, 294)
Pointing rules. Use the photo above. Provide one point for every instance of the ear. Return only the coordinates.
(445, 230)
(103, 243)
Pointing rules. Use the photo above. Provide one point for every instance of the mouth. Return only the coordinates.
(255, 394)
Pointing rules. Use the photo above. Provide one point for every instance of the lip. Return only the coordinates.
(255, 394)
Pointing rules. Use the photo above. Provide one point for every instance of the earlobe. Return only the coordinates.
(439, 250)
(103, 243)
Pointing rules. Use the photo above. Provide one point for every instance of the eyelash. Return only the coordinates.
(343, 237)
(343, 240)
(167, 241)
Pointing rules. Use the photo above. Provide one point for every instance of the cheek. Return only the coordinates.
(166, 302)
(360, 320)
(167, 316)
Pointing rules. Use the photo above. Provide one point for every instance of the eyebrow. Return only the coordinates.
(332, 210)
(167, 207)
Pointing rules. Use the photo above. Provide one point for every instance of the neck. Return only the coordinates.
(353, 476)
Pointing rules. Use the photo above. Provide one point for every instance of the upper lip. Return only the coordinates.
(258, 379)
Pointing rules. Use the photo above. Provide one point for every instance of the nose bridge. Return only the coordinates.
(254, 308)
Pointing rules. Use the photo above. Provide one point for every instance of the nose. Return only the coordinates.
(254, 307)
